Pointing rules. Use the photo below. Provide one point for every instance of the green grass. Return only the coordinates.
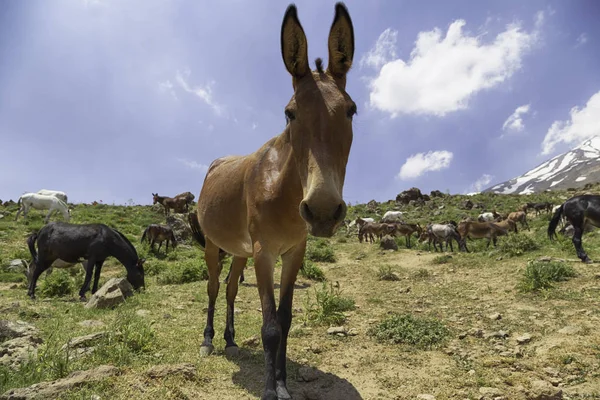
(517, 244)
(543, 275)
(422, 333)
(320, 250)
(328, 306)
(443, 259)
(311, 271)
(385, 273)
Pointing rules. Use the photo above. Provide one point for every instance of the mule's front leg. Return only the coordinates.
(88, 278)
(211, 255)
(291, 264)
(577, 234)
(264, 263)
(237, 266)
(97, 276)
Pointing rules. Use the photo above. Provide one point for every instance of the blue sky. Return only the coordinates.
(115, 99)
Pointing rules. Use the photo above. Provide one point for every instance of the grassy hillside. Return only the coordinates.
(419, 322)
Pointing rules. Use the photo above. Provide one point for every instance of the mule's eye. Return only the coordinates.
(351, 111)
(289, 115)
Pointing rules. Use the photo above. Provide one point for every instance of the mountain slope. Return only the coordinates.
(574, 168)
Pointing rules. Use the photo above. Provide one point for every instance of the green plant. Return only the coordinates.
(443, 259)
(184, 272)
(385, 273)
(59, 283)
(422, 333)
(541, 275)
(311, 271)
(517, 244)
(328, 307)
(320, 251)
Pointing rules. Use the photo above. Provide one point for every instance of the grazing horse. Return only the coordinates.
(372, 230)
(160, 233)
(43, 202)
(507, 224)
(28, 268)
(519, 216)
(55, 193)
(188, 196)
(406, 230)
(442, 233)
(479, 230)
(73, 242)
(489, 216)
(392, 216)
(177, 204)
(264, 204)
(539, 207)
(580, 211)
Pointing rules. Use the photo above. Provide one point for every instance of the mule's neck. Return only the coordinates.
(123, 251)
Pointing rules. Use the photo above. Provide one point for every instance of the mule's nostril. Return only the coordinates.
(306, 212)
(339, 212)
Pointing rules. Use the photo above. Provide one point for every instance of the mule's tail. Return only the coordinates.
(31, 244)
(554, 222)
(19, 202)
(144, 234)
(196, 229)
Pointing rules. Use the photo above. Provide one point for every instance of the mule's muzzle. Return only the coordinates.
(323, 221)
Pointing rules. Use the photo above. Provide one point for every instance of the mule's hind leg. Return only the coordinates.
(89, 268)
(577, 234)
(237, 266)
(211, 255)
(291, 264)
(40, 266)
(97, 275)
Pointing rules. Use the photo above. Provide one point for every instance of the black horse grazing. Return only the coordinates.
(579, 211)
(93, 242)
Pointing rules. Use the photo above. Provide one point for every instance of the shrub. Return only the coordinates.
(155, 267)
(541, 275)
(311, 271)
(517, 244)
(184, 272)
(57, 284)
(443, 259)
(422, 333)
(385, 273)
(320, 251)
(329, 306)
(15, 277)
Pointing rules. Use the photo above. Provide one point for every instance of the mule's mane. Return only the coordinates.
(126, 241)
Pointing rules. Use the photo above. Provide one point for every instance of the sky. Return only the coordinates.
(114, 100)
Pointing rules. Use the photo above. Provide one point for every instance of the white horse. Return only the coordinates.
(43, 202)
(392, 216)
(360, 222)
(443, 233)
(55, 193)
(58, 263)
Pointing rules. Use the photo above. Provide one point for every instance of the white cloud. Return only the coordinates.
(383, 51)
(167, 86)
(417, 164)
(581, 40)
(254, 126)
(203, 92)
(481, 183)
(443, 73)
(583, 124)
(193, 165)
(515, 121)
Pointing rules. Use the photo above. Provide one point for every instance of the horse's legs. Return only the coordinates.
(97, 275)
(291, 263)
(237, 266)
(577, 234)
(152, 243)
(89, 268)
(264, 262)
(211, 255)
(40, 266)
(159, 246)
(494, 238)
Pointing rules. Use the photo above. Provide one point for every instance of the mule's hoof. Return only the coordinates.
(282, 392)
(232, 352)
(206, 350)
(588, 261)
(82, 299)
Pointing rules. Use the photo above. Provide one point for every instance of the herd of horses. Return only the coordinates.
(263, 205)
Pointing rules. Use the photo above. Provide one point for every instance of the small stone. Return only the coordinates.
(425, 397)
(334, 330)
(495, 316)
(570, 330)
(252, 341)
(551, 371)
(307, 374)
(471, 372)
(352, 332)
(84, 341)
(524, 338)
(142, 313)
(187, 370)
(490, 391)
(477, 332)
(542, 390)
(462, 335)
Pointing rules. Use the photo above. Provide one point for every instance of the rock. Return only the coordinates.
(524, 338)
(352, 332)
(551, 371)
(180, 226)
(406, 196)
(307, 374)
(252, 341)
(334, 330)
(18, 342)
(495, 316)
(425, 397)
(467, 205)
(490, 391)
(92, 323)
(53, 389)
(388, 243)
(477, 332)
(187, 370)
(142, 313)
(542, 390)
(570, 330)
(112, 293)
(84, 341)
(436, 193)
(499, 335)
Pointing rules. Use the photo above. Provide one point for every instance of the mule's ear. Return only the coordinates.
(294, 46)
(341, 42)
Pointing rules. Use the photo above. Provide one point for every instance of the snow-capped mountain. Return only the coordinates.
(574, 168)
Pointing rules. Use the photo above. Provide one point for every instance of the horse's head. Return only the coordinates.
(319, 119)
(135, 275)
(154, 198)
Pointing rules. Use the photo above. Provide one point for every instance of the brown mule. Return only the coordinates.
(264, 204)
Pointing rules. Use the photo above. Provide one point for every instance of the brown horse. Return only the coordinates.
(188, 196)
(160, 233)
(372, 230)
(406, 230)
(264, 204)
(519, 216)
(508, 224)
(479, 230)
(178, 204)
